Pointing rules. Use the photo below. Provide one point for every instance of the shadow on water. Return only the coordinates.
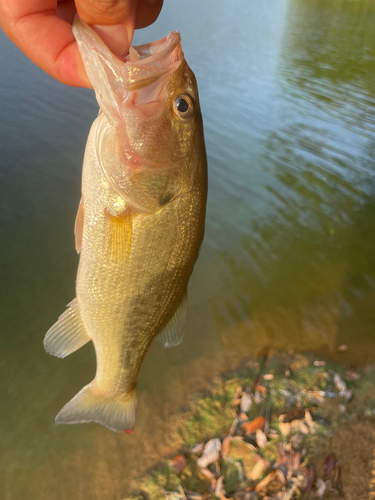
(288, 261)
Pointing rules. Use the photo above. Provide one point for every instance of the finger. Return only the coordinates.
(45, 38)
(106, 12)
(66, 9)
(147, 12)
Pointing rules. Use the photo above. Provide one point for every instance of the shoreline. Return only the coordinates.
(288, 426)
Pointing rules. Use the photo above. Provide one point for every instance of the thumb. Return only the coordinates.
(113, 20)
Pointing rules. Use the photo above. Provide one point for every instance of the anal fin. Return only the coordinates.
(173, 332)
(68, 333)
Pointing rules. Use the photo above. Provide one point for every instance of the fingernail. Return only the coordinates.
(117, 37)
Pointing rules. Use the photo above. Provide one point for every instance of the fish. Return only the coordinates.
(140, 221)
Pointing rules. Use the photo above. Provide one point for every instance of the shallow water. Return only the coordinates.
(288, 96)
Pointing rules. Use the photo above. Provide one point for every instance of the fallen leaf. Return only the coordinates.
(329, 464)
(243, 416)
(197, 449)
(341, 408)
(310, 478)
(348, 394)
(268, 376)
(219, 490)
(261, 388)
(259, 469)
(337, 474)
(179, 463)
(266, 481)
(309, 421)
(320, 363)
(284, 428)
(295, 460)
(320, 488)
(254, 425)
(238, 393)
(225, 446)
(343, 348)
(206, 473)
(261, 438)
(211, 453)
(257, 397)
(316, 397)
(299, 426)
(289, 417)
(339, 383)
(246, 402)
(349, 375)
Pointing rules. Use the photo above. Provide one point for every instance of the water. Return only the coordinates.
(288, 96)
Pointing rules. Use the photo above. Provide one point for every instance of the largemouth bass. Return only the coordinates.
(140, 222)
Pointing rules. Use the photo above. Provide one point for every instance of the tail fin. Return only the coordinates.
(118, 414)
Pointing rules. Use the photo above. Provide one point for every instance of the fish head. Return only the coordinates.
(161, 109)
(150, 99)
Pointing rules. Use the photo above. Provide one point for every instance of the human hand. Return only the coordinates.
(42, 30)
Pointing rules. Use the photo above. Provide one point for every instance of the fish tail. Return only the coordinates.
(89, 405)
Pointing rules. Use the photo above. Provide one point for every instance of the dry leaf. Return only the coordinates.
(320, 363)
(243, 416)
(179, 463)
(257, 397)
(225, 446)
(310, 478)
(341, 408)
(295, 460)
(329, 464)
(261, 389)
(268, 376)
(219, 490)
(299, 426)
(339, 383)
(343, 348)
(316, 397)
(246, 402)
(349, 375)
(261, 438)
(284, 428)
(211, 453)
(206, 473)
(254, 425)
(266, 481)
(348, 394)
(258, 469)
(320, 488)
(309, 421)
(197, 449)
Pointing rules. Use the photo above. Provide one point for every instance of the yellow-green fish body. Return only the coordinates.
(140, 222)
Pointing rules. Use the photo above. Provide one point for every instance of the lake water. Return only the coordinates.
(287, 89)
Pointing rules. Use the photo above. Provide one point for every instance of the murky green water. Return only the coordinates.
(288, 96)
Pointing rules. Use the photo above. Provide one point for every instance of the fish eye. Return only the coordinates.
(183, 106)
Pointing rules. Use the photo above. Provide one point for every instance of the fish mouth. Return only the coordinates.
(148, 62)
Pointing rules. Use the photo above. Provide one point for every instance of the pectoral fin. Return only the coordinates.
(173, 332)
(78, 227)
(68, 333)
